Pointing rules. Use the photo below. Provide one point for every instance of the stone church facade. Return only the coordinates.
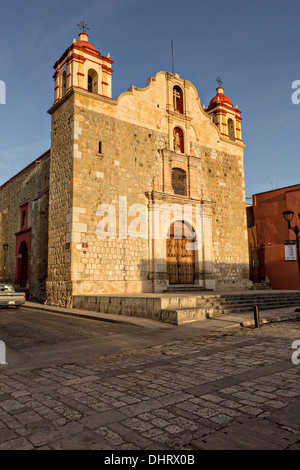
(138, 194)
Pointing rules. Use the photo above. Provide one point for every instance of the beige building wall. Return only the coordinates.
(103, 150)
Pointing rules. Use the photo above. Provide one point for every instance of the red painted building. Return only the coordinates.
(272, 234)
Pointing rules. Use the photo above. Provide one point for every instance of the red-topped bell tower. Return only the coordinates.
(225, 116)
(82, 66)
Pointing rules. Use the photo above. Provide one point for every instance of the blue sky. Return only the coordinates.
(253, 46)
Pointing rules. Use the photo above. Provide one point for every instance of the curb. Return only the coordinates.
(263, 321)
(136, 321)
(89, 316)
(140, 322)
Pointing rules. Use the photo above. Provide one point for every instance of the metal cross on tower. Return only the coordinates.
(83, 26)
(219, 81)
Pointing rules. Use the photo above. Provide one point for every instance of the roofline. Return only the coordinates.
(277, 189)
(36, 162)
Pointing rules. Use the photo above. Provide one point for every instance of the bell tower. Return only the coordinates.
(225, 116)
(82, 66)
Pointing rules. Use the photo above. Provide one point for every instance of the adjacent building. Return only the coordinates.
(24, 206)
(272, 247)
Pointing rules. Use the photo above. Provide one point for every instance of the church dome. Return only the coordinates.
(84, 42)
(220, 97)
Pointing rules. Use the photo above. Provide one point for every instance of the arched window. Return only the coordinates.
(93, 81)
(230, 124)
(63, 83)
(24, 216)
(24, 220)
(179, 181)
(178, 140)
(178, 99)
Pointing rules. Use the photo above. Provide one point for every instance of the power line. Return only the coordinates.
(172, 57)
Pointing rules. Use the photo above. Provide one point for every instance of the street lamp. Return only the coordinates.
(5, 247)
(289, 215)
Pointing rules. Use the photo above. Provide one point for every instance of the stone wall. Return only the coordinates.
(29, 186)
(222, 177)
(125, 169)
(59, 289)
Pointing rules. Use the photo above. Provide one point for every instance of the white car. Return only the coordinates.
(9, 297)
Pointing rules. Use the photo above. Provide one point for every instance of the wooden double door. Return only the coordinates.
(180, 261)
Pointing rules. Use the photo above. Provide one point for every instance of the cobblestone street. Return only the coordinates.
(233, 390)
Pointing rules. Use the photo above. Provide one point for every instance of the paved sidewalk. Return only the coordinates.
(219, 323)
(145, 385)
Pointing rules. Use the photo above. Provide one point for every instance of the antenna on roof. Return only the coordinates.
(172, 57)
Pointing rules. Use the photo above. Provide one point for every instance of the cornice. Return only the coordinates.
(73, 91)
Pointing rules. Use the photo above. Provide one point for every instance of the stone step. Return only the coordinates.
(260, 286)
(180, 316)
(243, 309)
(260, 294)
(245, 297)
(236, 297)
(234, 309)
(186, 288)
(248, 304)
(216, 312)
(217, 302)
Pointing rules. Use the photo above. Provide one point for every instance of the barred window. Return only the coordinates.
(179, 181)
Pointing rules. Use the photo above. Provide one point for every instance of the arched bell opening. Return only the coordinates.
(92, 81)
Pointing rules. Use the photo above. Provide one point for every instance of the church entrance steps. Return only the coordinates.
(185, 288)
(240, 304)
(260, 286)
(215, 309)
(185, 307)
